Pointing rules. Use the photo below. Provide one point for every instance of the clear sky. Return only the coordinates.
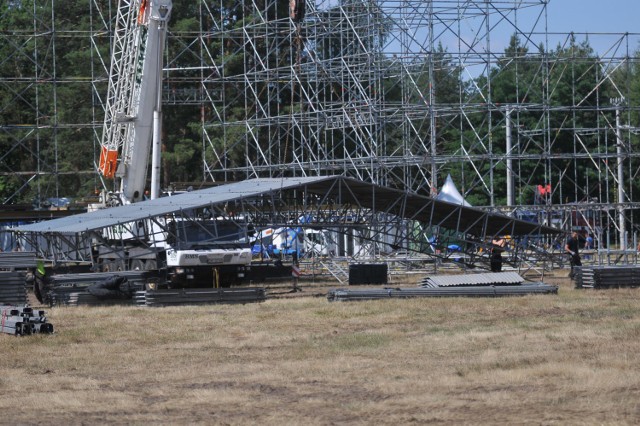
(597, 17)
(594, 16)
(602, 22)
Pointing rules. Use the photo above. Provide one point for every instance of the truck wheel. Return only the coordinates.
(114, 266)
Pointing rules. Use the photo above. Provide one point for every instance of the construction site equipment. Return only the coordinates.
(368, 273)
(23, 320)
(131, 134)
(292, 241)
(12, 288)
(12, 260)
(96, 288)
(128, 287)
(335, 269)
(607, 276)
(490, 278)
(134, 98)
(200, 296)
(475, 291)
(354, 210)
(393, 36)
(80, 297)
(468, 285)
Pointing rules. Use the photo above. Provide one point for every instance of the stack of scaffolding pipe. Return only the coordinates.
(11, 260)
(584, 277)
(13, 290)
(457, 291)
(67, 280)
(602, 277)
(199, 296)
(78, 296)
(23, 320)
(75, 289)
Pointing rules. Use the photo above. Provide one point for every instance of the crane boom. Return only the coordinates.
(134, 94)
(190, 253)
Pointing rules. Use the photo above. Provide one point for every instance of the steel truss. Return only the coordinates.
(367, 222)
(362, 89)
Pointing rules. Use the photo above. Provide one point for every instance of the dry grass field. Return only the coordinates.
(571, 358)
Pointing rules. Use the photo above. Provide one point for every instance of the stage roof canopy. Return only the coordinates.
(326, 190)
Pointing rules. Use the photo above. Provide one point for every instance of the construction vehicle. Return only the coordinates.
(131, 134)
(134, 100)
(292, 241)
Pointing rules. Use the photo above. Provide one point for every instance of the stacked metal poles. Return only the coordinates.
(200, 296)
(23, 320)
(12, 288)
(461, 291)
(608, 276)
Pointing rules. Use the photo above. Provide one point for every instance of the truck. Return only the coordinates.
(292, 241)
(131, 136)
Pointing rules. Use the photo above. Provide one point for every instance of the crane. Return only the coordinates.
(131, 132)
(133, 115)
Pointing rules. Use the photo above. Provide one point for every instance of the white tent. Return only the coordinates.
(450, 193)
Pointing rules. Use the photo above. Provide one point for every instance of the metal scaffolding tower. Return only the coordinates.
(399, 93)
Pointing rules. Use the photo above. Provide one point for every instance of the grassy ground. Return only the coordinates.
(570, 358)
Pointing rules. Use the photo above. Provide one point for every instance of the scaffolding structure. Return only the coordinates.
(398, 93)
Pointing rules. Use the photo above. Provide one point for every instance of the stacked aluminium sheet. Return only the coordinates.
(468, 285)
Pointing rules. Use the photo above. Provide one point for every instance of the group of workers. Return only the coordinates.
(572, 248)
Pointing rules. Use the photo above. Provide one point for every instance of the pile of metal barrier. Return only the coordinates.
(13, 272)
(23, 321)
(12, 260)
(200, 296)
(607, 276)
(469, 285)
(93, 289)
(13, 290)
(129, 288)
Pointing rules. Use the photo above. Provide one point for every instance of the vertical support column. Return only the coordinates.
(510, 197)
(155, 153)
(432, 107)
(619, 154)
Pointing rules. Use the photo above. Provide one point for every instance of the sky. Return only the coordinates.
(597, 17)
(594, 15)
(602, 22)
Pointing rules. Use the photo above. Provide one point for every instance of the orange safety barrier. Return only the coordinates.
(108, 162)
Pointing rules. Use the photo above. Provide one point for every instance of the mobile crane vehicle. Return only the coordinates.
(131, 135)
